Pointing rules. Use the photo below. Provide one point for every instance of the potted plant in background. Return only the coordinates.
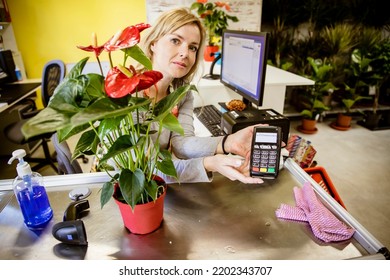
(344, 119)
(215, 19)
(378, 74)
(310, 116)
(115, 118)
(312, 101)
(354, 88)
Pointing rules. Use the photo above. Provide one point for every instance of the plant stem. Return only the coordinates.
(100, 65)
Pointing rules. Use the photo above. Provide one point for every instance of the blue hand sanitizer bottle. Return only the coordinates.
(31, 194)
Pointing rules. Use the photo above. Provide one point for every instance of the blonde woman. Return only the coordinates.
(175, 45)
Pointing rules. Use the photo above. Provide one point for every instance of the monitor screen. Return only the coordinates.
(243, 64)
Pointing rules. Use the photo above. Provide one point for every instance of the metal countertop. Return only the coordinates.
(217, 220)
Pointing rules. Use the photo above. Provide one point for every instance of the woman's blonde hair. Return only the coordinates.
(167, 23)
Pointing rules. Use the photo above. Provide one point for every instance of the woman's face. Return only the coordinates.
(174, 54)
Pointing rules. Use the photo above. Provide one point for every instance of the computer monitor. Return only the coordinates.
(7, 67)
(3, 76)
(244, 64)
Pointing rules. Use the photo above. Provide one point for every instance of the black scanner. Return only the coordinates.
(70, 232)
(233, 121)
(72, 229)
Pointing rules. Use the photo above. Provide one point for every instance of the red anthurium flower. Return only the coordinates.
(93, 48)
(142, 26)
(148, 79)
(127, 38)
(118, 84)
(98, 50)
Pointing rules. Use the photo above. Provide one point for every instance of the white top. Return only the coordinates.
(273, 76)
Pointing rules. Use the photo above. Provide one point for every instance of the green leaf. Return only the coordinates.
(348, 103)
(165, 154)
(307, 114)
(151, 188)
(77, 93)
(319, 105)
(323, 72)
(66, 132)
(72, 95)
(95, 85)
(105, 108)
(172, 123)
(106, 126)
(327, 86)
(165, 105)
(313, 64)
(78, 68)
(47, 120)
(122, 144)
(167, 167)
(87, 144)
(196, 5)
(107, 193)
(136, 53)
(131, 185)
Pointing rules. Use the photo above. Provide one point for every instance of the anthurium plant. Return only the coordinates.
(117, 124)
(214, 17)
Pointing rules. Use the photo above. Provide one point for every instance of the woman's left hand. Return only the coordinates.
(232, 167)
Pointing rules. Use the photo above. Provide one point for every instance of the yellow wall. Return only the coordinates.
(51, 29)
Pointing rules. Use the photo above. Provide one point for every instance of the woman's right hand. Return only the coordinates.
(232, 167)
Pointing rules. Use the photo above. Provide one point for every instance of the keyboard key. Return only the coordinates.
(210, 117)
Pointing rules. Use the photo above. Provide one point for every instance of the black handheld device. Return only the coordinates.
(265, 154)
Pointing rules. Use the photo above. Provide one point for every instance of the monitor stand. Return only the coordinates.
(212, 76)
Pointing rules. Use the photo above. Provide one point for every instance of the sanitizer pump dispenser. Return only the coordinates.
(31, 194)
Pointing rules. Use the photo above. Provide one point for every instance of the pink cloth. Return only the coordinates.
(323, 223)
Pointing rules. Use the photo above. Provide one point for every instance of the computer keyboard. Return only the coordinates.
(210, 117)
(12, 92)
